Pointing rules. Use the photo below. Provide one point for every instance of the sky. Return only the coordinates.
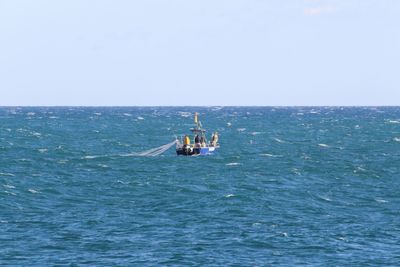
(199, 53)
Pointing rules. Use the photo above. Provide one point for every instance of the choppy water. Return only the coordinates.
(290, 186)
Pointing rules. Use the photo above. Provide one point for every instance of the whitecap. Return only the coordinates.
(228, 124)
(397, 139)
(33, 191)
(233, 164)
(361, 169)
(97, 113)
(256, 133)
(36, 134)
(6, 174)
(326, 198)
(42, 150)
(279, 140)
(140, 118)
(8, 186)
(128, 114)
(184, 114)
(31, 113)
(103, 165)
(269, 155)
(380, 200)
(241, 129)
(323, 145)
(229, 195)
(53, 117)
(394, 121)
(90, 157)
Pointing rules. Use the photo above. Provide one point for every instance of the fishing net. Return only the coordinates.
(147, 153)
(154, 151)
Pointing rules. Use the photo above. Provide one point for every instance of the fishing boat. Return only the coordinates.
(198, 144)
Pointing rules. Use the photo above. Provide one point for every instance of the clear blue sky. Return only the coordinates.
(209, 52)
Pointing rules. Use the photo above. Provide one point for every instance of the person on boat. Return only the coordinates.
(197, 140)
(187, 149)
(202, 141)
(186, 140)
(214, 139)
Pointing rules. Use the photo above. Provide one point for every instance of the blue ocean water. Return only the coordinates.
(315, 186)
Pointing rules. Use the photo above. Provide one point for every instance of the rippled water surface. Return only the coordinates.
(289, 186)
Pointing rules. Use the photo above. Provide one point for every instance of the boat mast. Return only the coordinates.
(196, 119)
(198, 129)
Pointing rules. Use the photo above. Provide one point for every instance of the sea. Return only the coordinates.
(289, 186)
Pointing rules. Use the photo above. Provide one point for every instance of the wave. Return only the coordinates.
(184, 114)
(323, 145)
(10, 193)
(91, 157)
(380, 200)
(37, 134)
(6, 174)
(33, 191)
(279, 140)
(270, 155)
(233, 164)
(102, 165)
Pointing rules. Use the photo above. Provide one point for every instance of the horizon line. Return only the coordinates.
(186, 106)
